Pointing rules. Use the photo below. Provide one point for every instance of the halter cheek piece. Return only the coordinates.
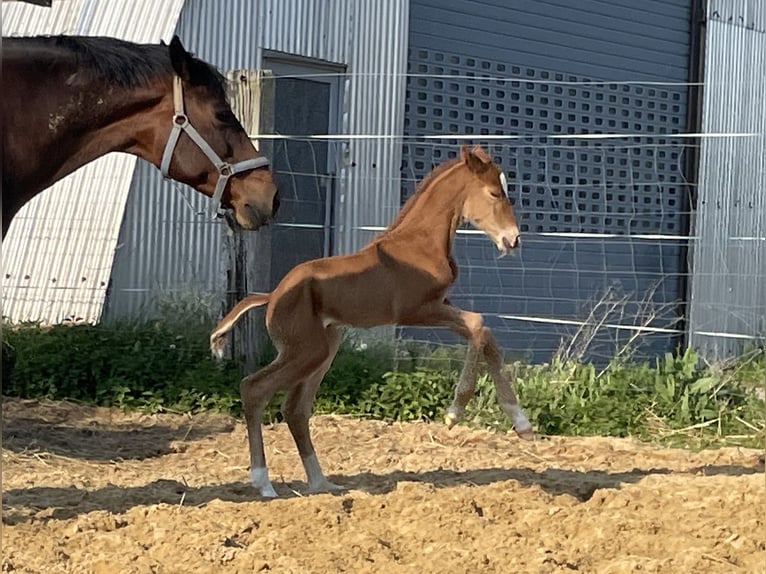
(225, 170)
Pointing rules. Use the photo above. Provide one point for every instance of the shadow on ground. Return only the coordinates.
(98, 441)
(61, 503)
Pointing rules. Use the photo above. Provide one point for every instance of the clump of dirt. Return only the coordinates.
(98, 490)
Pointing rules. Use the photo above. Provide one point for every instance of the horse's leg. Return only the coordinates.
(285, 372)
(505, 393)
(466, 386)
(471, 327)
(256, 390)
(297, 409)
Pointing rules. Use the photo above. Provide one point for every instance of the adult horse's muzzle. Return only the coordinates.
(243, 214)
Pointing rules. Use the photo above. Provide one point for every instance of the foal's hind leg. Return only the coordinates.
(286, 371)
(297, 409)
(256, 390)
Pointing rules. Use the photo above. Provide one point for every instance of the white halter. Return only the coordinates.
(225, 170)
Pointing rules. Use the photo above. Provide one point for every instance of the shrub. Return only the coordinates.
(166, 365)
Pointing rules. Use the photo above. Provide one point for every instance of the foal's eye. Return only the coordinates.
(497, 194)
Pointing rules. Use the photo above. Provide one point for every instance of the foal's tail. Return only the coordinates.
(218, 336)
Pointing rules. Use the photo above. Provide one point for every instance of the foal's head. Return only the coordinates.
(251, 194)
(486, 204)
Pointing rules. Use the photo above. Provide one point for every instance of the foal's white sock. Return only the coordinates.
(316, 478)
(259, 476)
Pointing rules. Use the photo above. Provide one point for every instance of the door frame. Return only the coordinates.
(282, 64)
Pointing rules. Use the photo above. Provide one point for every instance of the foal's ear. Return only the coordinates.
(476, 159)
(179, 59)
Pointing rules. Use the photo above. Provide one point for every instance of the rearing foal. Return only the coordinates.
(400, 277)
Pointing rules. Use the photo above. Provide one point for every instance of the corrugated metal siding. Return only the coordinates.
(57, 256)
(728, 288)
(749, 14)
(370, 39)
(529, 69)
(169, 247)
(375, 94)
(615, 40)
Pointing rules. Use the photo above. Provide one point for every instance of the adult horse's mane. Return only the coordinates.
(126, 64)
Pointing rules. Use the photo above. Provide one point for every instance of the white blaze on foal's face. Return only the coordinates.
(504, 185)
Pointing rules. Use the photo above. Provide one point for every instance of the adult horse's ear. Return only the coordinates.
(180, 59)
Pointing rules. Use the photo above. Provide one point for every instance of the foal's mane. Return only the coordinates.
(125, 64)
(424, 184)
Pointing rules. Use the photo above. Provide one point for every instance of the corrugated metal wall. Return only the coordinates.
(57, 256)
(370, 39)
(366, 36)
(728, 287)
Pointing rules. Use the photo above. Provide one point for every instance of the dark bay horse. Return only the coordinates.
(400, 278)
(68, 100)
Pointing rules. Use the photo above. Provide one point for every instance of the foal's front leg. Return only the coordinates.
(471, 326)
(466, 386)
(505, 394)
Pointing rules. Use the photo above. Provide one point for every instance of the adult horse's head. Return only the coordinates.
(206, 147)
(68, 100)
(486, 204)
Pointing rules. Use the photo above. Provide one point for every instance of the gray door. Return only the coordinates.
(597, 216)
(305, 104)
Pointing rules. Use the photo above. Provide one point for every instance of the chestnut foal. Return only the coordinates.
(401, 278)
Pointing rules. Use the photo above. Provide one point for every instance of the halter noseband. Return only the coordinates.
(225, 169)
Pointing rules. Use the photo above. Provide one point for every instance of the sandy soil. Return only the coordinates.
(95, 490)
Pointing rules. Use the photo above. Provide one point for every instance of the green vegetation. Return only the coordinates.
(165, 365)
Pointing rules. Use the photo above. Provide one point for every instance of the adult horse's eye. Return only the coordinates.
(227, 118)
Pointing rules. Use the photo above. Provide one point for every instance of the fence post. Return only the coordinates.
(248, 253)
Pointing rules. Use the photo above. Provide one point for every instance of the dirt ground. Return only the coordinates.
(96, 490)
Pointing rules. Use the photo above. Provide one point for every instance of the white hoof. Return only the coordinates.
(324, 486)
(260, 479)
(268, 491)
(526, 434)
(451, 417)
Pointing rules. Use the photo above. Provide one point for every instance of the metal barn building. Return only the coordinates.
(629, 220)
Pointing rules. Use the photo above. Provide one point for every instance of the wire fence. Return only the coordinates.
(607, 220)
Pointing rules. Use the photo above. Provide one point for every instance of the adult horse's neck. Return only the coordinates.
(57, 118)
(432, 215)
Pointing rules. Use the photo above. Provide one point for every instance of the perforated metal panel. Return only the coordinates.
(478, 76)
